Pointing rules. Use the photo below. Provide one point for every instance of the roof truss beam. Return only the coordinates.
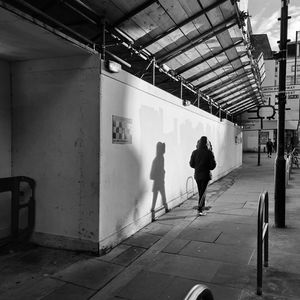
(252, 96)
(224, 83)
(242, 105)
(221, 76)
(183, 23)
(134, 12)
(234, 98)
(230, 90)
(247, 107)
(225, 25)
(217, 67)
(237, 101)
(198, 61)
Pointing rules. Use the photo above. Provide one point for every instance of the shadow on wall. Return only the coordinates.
(157, 174)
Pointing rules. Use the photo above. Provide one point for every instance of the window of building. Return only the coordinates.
(293, 68)
(290, 80)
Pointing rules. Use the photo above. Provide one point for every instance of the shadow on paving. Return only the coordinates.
(165, 259)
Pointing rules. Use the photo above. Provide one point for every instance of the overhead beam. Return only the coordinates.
(236, 101)
(235, 89)
(252, 97)
(83, 10)
(217, 67)
(183, 23)
(221, 76)
(134, 12)
(225, 25)
(51, 22)
(200, 60)
(243, 105)
(235, 98)
(243, 109)
(224, 83)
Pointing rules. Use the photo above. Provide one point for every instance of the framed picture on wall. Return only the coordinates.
(121, 130)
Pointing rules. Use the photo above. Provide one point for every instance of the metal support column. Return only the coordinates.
(259, 142)
(296, 54)
(280, 170)
(153, 71)
(181, 90)
(258, 148)
(103, 46)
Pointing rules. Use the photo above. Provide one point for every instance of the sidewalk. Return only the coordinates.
(179, 250)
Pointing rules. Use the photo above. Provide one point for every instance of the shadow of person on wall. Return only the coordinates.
(157, 174)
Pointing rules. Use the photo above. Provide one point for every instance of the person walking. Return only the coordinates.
(269, 146)
(203, 161)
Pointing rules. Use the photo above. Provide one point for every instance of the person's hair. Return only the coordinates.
(202, 143)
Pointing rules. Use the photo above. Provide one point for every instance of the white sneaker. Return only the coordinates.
(202, 213)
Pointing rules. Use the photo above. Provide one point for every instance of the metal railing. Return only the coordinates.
(199, 292)
(291, 160)
(288, 165)
(188, 192)
(262, 238)
(13, 185)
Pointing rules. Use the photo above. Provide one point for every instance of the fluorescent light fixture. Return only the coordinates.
(166, 68)
(113, 66)
(186, 103)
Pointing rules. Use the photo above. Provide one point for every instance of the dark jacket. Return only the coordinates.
(202, 160)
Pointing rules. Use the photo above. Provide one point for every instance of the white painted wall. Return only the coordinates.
(157, 116)
(59, 134)
(5, 145)
(56, 142)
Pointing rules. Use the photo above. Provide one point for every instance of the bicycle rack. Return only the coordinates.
(13, 184)
(190, 178)
(262, 238)
(199, 292)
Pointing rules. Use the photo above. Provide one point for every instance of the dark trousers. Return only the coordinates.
(201, 184)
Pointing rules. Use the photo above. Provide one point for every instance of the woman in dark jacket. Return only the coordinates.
(203, 161)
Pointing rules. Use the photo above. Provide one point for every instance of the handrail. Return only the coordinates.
(12, 184)
(199, 292)
(262, 238)
(291, 160)
(289, 163)
(190, 178)
(294, 158)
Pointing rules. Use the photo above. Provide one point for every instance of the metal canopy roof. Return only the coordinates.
(195, 49)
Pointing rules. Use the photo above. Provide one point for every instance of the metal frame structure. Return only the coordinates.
(169, 46)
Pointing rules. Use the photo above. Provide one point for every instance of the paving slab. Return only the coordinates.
(285, 284)
(238, 239)
(70, 292)
(92, 273)
(32, 289)
(175, 246)
(232, 227)
(115, 252)
(142, 239)
(236, 277)
(128, 256)
(251, 295)
(201, 235)
(217, 252)
(138, 287)
(184, 266)
(157, 228)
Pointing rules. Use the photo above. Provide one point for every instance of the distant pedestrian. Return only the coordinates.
(269, 146)
(203, 161)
